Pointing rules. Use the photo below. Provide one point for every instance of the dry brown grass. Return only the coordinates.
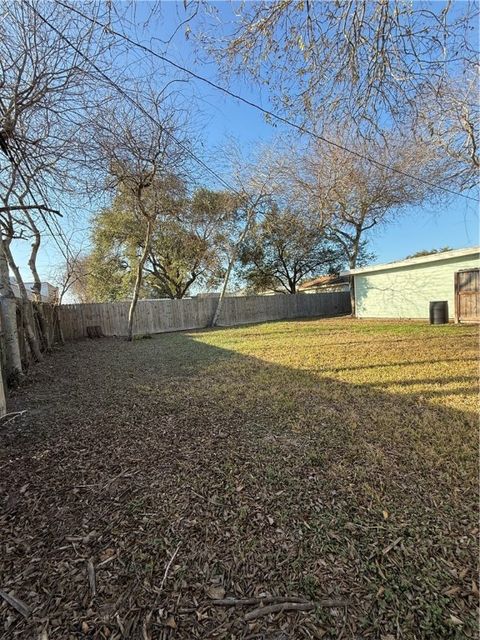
(323, 459)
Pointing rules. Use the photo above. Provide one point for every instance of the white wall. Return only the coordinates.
(405, 292)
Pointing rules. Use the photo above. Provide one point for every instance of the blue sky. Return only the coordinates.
(221, 118)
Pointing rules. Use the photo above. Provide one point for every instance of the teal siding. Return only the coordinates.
(405, 292)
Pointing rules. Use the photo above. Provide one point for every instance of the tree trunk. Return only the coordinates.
(138, 279)
(222, 292)
(28, 316)
(352, 265)
(37, 284)
(8, 313)
(231, 262)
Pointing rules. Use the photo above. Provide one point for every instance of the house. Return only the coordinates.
(48, 292)
(322, 284)
(405, 289)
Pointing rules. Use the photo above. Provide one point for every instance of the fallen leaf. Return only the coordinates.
(455, 620)
(170, 622)
(215, 593)
(451, 591)
(108, 553)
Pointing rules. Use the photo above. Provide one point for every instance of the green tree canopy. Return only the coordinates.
(285, 248)
(184, 250)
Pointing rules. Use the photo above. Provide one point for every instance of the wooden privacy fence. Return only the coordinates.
(157, 316)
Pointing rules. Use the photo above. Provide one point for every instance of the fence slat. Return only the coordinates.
(158, 316)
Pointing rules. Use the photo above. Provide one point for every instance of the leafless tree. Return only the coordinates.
(351, 195)
(55, 66)
(28, 316)
(18, 222)
(143, 154)
(43, 87)
(253, 188)
(13, 194)
(369, 62)
(71, 277)
(449, 116)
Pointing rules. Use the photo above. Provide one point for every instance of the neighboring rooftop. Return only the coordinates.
(325, 281)
(433, 257)
(48, 292)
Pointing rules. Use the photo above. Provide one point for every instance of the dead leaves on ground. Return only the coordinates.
(305, 483)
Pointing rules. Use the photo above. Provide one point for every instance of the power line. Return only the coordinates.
(41, 208)
(254, 105)
(135, 103)
(44, 218)
(5, 147)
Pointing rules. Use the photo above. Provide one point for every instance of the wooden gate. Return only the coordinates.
(467, 295)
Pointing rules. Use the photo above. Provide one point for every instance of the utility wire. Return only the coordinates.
(254, 105)
(126, 95)
(64, 246)
(68, 254)
(8, 152)
(5, 147)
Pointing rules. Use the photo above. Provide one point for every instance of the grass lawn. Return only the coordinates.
(325, 459)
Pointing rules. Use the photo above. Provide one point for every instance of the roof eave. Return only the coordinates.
(434, 257)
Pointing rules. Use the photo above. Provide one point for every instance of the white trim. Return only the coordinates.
(355, 298)
(434, 257)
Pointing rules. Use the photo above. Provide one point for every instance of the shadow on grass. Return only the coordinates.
(272, 479)
(360, 462)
